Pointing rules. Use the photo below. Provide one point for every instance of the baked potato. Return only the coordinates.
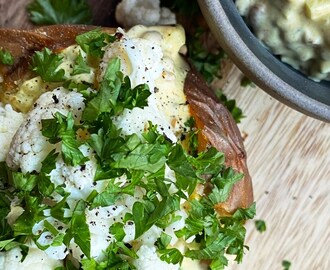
(108, 120)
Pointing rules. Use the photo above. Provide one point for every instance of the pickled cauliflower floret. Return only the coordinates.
(36, 259)
(146, 12)
(78, 180)
(10, 121)
(29, 147)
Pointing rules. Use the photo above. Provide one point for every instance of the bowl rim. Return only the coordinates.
(232, 42)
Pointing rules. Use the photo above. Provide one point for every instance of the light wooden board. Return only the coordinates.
(289, 160)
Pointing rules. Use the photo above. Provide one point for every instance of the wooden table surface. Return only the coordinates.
(288, 158)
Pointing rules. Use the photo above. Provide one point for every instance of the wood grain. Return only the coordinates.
(289, 161)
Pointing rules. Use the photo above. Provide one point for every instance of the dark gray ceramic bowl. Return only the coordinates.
(267, 71)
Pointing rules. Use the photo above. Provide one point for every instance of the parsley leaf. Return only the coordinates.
(93, 42)
(117, 255)
(245, 81)
(111, 194)
(6, 57)
(235, 111)
(117, 229)
(61, 129)
(260, 225)
(115, 94)
(146, 215)
(45, 186)
(33, 213)
(222, 185)
(45, 64)
(80, 66)
(24, 182)
(79, 230)
(171, 255)
(207, 63)
(60, 12)
(286, 264)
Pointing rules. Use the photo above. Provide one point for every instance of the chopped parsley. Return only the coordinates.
(260, 225)
(93, 41)
(6, 57)
(61, 129)
(245, 81)
(286, 265)
(141, 159)
(45, 12)
(45, 63)
(80, 66)
(207, 63)
(235, 111)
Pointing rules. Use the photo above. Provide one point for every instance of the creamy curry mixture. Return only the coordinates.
(296, 30)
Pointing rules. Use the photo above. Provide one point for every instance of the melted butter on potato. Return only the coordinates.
(29, 90)
(169, 87)
(151, 55)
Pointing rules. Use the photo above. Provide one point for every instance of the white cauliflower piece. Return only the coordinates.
(10, 121)
(149, 260)
(146, 12)
(141, 60)
(46, 238)
(36, 259)
(99, 221)
(77, 180)
(29, 147)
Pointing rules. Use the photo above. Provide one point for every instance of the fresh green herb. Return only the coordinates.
(184, 172)
(235, 111)
(80, 66)
(169, 255)
(83, 88)
(33, 213)
(117, 255)
(46, 12)
(189, 9)
(217, 236)
(111, 194)
(192, 136)
(147, 214)
(5, 229)
(117, 229)
(79, 230)
(260, 225)
(207, 63)
(61, 129)
(94, 41)
(6, 57)
(142, 160)
(286, 264)
(46, 65)
(116, 94)
(245, 81)
(222, 185)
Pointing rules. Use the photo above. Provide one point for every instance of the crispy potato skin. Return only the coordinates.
(23, 43)
(218, 128)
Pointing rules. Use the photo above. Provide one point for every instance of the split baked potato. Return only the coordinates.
(165, 124)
